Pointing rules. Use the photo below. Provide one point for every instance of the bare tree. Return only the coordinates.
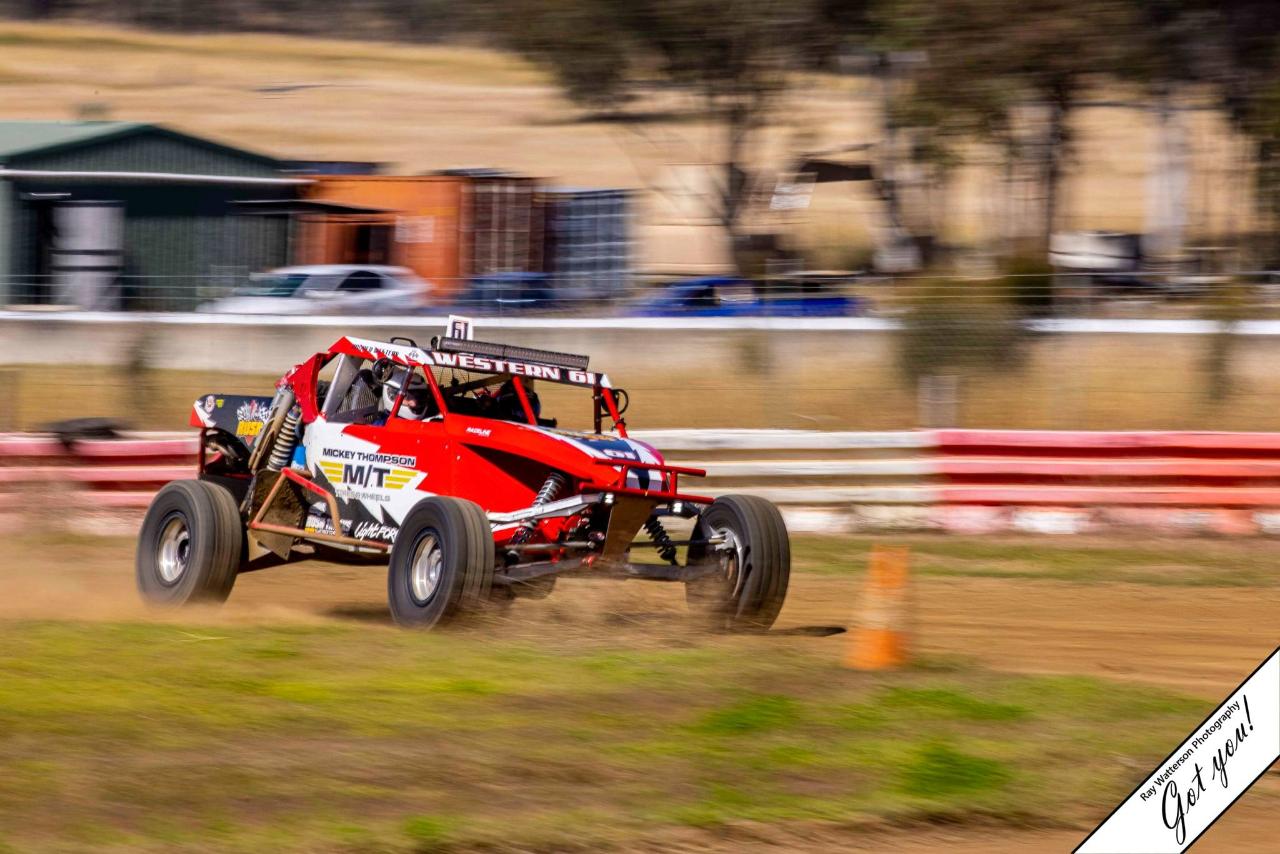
(991, 60)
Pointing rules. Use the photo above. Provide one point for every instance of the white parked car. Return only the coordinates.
(350, 289)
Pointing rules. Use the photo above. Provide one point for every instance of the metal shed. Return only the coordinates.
(128, 215)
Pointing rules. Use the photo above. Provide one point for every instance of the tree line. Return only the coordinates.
(954, 72)
(1007, 74)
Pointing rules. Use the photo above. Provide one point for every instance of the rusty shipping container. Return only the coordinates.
(504, 226)
(446, 228)
(418, 225)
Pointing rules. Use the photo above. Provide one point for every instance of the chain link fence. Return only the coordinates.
(360, 290)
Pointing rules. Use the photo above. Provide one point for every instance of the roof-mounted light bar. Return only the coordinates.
(508, 351)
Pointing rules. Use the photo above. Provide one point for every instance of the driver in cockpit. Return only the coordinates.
(418, 403)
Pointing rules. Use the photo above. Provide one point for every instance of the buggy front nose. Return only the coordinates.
(667, 487)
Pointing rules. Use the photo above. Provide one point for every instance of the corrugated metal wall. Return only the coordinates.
(588, 242)
(183, 242)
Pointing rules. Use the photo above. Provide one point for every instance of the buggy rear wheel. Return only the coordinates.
(190, 545)
(747, 590)
(442, 563)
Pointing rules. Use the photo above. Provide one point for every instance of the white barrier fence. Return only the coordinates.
(957, 481)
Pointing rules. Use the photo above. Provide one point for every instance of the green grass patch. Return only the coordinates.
(430, 833)
(939, 770)
(756, 714)
(365, 738)
(947, 703)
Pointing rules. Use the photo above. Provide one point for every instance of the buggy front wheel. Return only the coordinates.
(751, 564)
(442, 563)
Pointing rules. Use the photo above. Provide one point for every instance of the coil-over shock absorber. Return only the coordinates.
(286, 439)
(551, 489)
(661, 539)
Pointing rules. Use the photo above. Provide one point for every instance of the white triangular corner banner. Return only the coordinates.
(1203, 777)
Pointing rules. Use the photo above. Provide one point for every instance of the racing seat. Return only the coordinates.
(507, 406)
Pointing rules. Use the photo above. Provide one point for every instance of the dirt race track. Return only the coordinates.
(1197, 640)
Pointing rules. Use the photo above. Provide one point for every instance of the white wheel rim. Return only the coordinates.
(427, 567)
(174, 550)
(730, 555)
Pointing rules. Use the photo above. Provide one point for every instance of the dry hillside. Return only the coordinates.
(420, 108)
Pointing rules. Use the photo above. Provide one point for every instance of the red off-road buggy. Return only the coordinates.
(439, 459)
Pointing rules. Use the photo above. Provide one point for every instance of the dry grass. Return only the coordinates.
(425, 107)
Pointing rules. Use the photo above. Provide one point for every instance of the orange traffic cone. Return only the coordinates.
(880, 635)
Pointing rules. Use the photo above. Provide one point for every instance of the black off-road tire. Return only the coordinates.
(442, 564)
(191, 544)
(747, 594)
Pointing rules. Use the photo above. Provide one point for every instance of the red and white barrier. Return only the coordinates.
(962, 481)
(1077, 481)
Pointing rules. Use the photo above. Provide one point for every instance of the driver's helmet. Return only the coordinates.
(417, 397)
(416, 403)
(390, 391)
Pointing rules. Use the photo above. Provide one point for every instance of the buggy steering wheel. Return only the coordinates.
(382, 370)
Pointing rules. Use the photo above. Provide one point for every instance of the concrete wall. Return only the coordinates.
(844, 376)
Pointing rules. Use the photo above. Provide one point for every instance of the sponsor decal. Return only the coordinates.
(374, 531)
(480, 364)
(250, 417)
(479, 431)
(355, 474)
(487, 365)
(394, 352)
(318, 525)
(347, 454)
(1195, 784)
(362, 531)
(366, 475)
(204, 410)
(347, 494)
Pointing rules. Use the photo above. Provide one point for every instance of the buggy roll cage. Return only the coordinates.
(516, 362)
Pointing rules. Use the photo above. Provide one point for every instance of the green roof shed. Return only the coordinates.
(129, 215)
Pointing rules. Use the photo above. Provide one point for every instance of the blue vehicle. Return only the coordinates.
(730, 296)
(507, 293)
